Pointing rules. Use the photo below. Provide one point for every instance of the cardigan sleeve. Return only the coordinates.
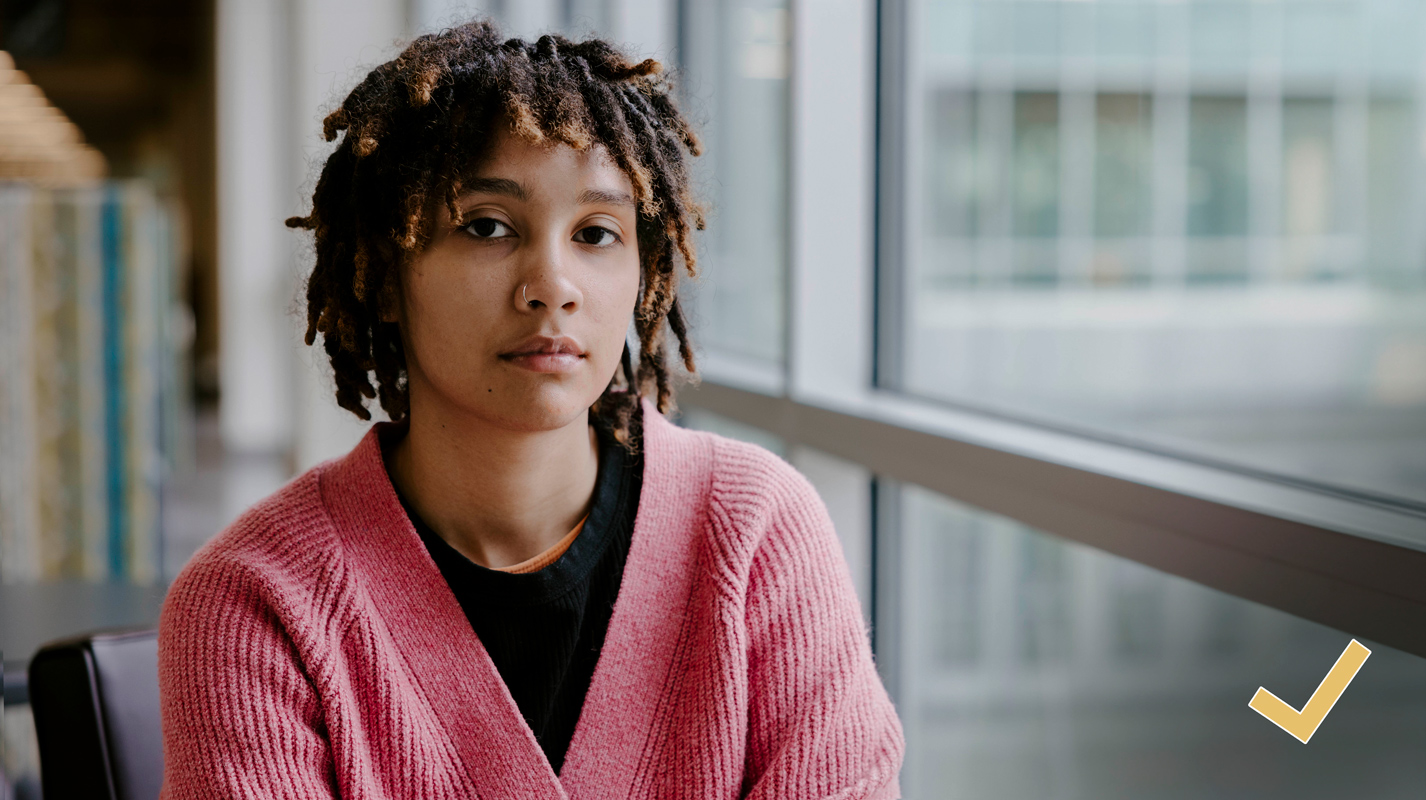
(240, 717)
(820, 722)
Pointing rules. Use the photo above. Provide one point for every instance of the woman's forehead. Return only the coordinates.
(513, 165)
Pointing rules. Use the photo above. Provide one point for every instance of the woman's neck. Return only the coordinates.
(497, 496)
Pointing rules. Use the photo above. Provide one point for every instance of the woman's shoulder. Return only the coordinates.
(275, 552)
(737, 468)
(753, 492)
(763, 528)
(748, 472)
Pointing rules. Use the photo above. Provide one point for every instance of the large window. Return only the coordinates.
(1031, 667)
(1139, 367)
(736, 87)
(1194, 227)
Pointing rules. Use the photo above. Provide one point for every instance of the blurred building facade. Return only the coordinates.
(1196, 225)
(1193, 228)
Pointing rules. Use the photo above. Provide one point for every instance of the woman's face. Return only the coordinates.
(516, 312)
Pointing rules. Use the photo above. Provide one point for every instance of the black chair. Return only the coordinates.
(96, 708)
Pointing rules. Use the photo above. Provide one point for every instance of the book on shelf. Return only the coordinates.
(88, 427)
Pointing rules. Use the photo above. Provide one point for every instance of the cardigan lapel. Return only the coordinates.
(454, 671)
(634, 665)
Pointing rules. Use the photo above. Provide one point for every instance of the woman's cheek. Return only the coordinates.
(448, 343)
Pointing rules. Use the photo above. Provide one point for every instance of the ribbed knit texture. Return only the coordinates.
(313, 650)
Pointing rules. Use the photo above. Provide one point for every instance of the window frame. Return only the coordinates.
(1343, 560)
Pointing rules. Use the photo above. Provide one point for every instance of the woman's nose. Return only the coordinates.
(548, 281)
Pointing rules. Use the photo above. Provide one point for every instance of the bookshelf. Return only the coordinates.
(94, 408)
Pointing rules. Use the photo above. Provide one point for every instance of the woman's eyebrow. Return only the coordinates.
(603, 197)
(503, 186)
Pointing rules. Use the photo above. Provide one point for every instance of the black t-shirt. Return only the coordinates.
(544, 629)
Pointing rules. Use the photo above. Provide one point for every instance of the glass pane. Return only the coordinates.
(953, 185)
(736, 84)
(1122, 168)
(1317, 37)
(1393, 27)
(1217, 188)
(994, 27)
(1218, 166)
(1309, 214)
(1037, 164)
(1125, 29)
(1392, 230)
(1158, 256)
(1031, 667)
(1220, 37)
(1037, 29)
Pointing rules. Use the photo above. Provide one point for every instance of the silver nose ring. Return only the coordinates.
(522, 295)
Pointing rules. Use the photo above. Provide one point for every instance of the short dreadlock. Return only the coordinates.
(416, 124)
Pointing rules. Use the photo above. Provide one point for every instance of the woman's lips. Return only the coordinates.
(546, 362)
(545, 353)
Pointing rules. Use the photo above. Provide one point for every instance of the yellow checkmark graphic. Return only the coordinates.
(1302, 724)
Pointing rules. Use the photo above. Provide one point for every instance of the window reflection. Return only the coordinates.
(1033, 667)
(736, 82)
(1217, 189)
(1309, 213)
(1392, 242)
(1036, 176)
(1192, 226)
(1122, 151)
(1123, 171)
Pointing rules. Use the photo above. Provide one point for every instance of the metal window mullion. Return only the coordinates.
(911, 184)
(888, 334)
(832, 197)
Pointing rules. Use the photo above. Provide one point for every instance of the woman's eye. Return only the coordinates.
(596, 235)
(487, 228)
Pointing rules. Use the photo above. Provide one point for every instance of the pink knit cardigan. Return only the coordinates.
(313, 650)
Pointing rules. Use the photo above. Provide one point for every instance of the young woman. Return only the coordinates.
(529, 584)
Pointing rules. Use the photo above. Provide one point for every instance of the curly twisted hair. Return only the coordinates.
(421, 121)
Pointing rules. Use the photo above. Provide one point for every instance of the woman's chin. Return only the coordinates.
(542, 409)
